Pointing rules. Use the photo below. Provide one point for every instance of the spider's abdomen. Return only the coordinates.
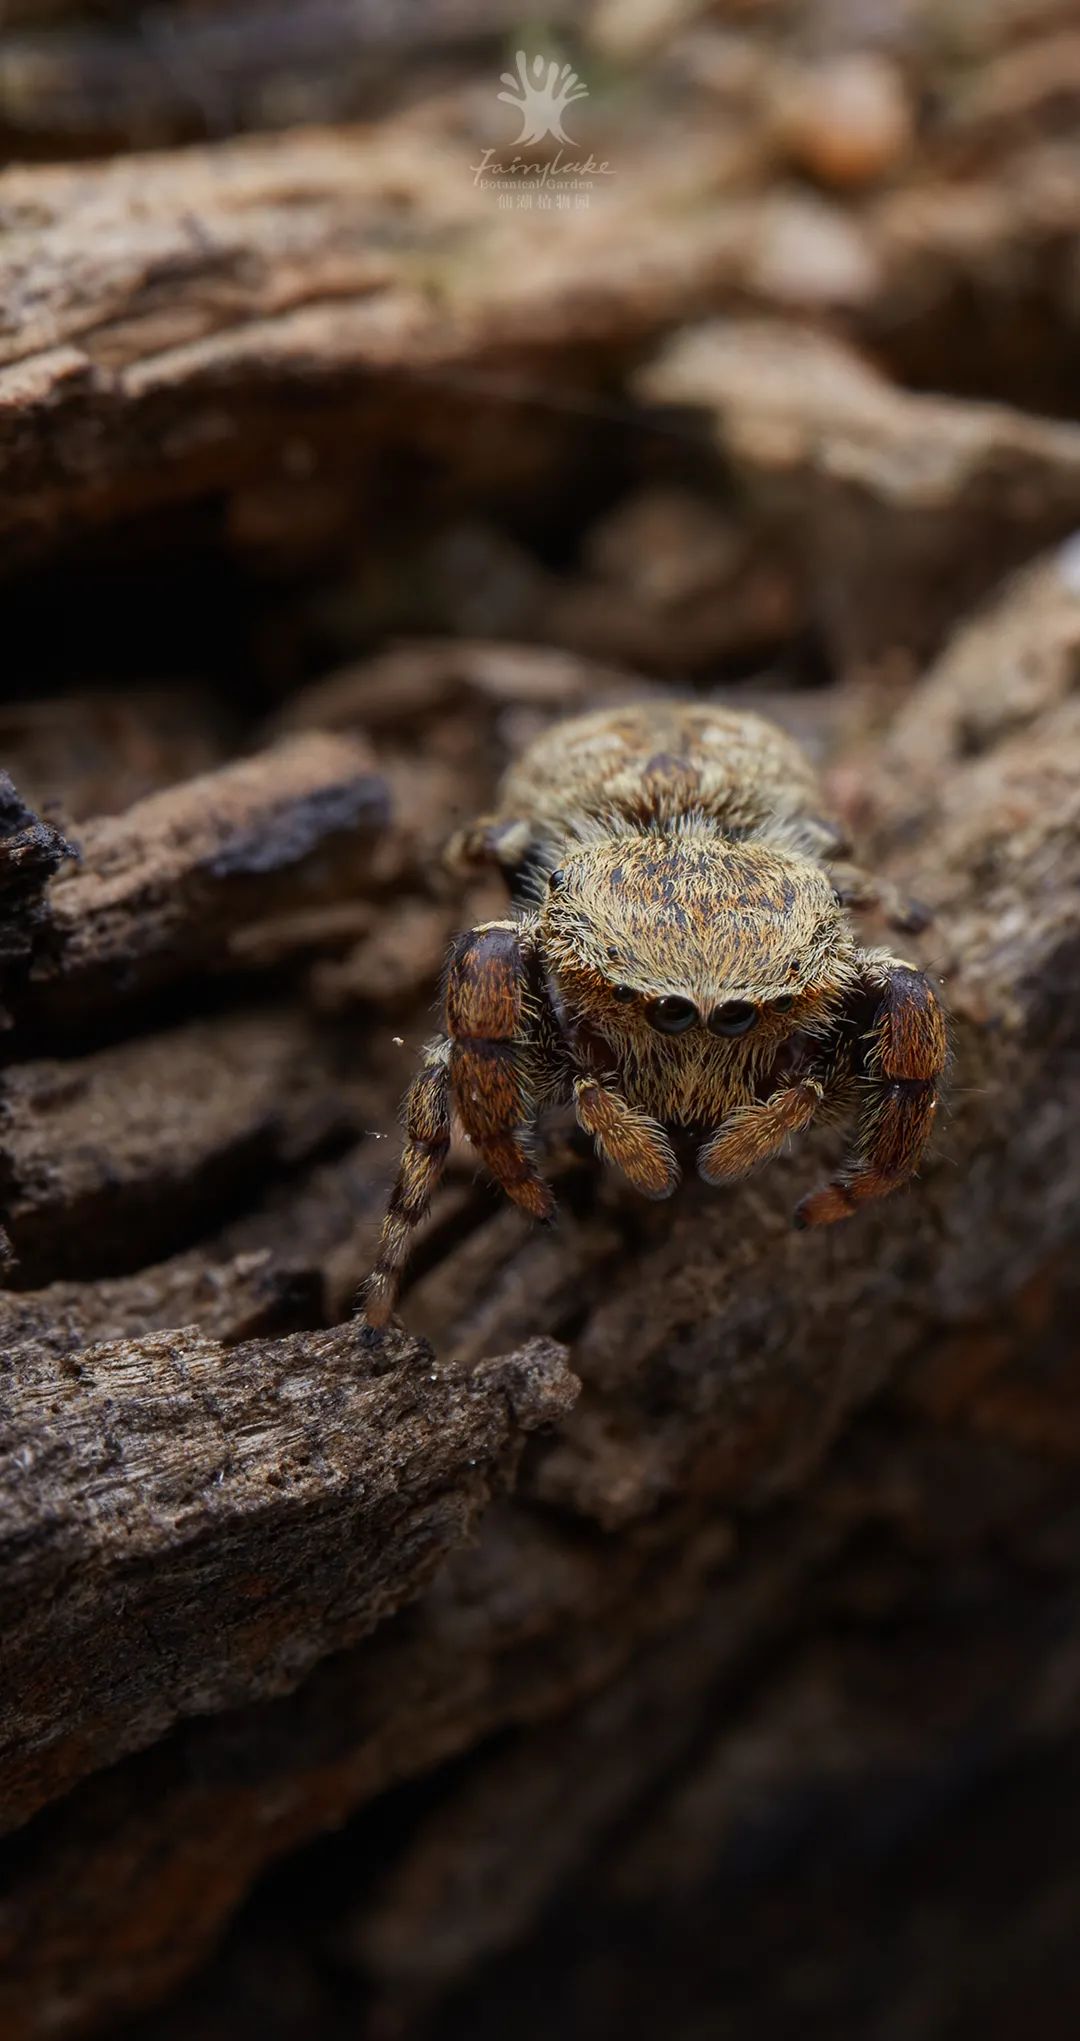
(652, 763)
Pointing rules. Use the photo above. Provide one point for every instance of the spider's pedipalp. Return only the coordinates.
(634, 1143)
(755, 1133)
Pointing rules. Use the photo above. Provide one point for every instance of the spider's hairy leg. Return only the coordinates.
(423, 1159)
(487, 1020)
(856, 888)
(905, 1050)
(496, 840)
(634, 1143)
(754, 1134)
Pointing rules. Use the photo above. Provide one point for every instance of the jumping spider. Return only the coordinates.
(680, 964)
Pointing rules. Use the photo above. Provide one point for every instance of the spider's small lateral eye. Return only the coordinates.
(672, 1015)
(785, 1004)
(556, 881)
(735, 1017)
(622, 992)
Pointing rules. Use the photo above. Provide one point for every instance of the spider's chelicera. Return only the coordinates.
(680, 966)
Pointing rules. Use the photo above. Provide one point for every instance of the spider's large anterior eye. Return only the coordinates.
(735, 1017)
(672, 1015)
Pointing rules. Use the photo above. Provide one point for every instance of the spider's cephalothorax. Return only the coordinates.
(681, 966)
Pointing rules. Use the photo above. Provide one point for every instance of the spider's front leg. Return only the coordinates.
(474, 1068)
(863, 890)
(634, 1143)
(901, 1057)
(487, 988)
(492, 840)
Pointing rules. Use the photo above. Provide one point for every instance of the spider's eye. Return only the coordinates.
(735, 1017)
(785, 1004)
(556, 881)
(672, 1015)
(622, 992)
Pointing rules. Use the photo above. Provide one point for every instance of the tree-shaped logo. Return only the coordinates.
(541, 90)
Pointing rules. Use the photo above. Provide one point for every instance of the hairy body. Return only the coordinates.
(681, 966)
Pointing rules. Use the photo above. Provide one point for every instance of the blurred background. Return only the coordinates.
(415, 372)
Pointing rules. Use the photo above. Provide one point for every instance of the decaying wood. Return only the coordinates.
(912, 500)
(232, 1299)
(288, 1264)
(119, 1155)
(30, 852)
(246, 303)
(192, 878)
(98, 753)
(534, 1616)
(179, 1461)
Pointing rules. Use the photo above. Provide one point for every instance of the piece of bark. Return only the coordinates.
(187, 1526)
(697, 1751)
(95, 754)
(182, 882)
(518, 1826)
(860, 1666)
(531, 1621)
(672, 580)
(190, 357)
(262, 313)
(522, 1625)
(1033, 88)
(397, 962)
(30, 850)
(914, 505)
(977, 298)
(1013, 663)
(113, 1158)
(345, 292)
(414, 683)
(289, 1265)
(233, 1299)
(677, 583)
(798, 1827)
